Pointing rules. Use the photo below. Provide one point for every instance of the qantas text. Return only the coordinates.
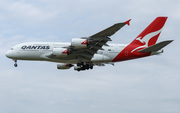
(35, 47)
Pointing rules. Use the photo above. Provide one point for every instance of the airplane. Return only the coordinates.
(86, 52)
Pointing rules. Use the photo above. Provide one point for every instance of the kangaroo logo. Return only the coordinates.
(145, 39)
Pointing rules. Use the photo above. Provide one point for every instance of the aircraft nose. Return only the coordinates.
(9, 54)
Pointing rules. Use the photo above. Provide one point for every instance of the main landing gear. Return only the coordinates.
(82, 66)
(15, 64)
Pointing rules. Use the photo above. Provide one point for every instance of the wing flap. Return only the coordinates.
(155, 47)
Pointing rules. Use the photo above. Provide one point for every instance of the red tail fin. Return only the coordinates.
(150, 35)
(145, 39)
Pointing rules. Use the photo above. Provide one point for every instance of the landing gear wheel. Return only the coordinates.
(15, 65)
(84, 66)
(91, 66)
(78, 64)
(87, 66)
(82, 63)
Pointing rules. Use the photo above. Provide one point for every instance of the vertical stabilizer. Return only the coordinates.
(149, 36)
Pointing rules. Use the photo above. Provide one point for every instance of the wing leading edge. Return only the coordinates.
(110, 30)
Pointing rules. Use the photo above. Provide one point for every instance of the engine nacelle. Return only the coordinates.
(61, 52)
(79, 43)
(64, 66)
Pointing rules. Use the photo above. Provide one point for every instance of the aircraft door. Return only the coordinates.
(126, 53)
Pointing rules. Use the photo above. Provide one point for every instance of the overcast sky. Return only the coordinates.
(146, 85)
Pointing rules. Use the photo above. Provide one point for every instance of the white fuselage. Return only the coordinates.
(40, 51)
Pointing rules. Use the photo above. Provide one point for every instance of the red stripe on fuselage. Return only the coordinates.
(126, 54)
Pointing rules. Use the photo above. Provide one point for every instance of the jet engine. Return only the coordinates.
(61, 52)
(64, 66)
(79, 43)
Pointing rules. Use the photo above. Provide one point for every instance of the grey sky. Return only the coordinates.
(148, 85)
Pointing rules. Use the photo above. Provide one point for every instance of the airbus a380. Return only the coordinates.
(84, 53)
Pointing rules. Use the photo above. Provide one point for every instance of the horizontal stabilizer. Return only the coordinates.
(155, 47)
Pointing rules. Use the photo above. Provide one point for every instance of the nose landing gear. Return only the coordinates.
(15, 65)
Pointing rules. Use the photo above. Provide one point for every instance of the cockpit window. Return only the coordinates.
(11, 48)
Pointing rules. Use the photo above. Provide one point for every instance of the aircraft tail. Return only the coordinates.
(149, 36)
(145, 43)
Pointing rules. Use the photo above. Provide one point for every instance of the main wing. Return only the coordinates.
(96, 41)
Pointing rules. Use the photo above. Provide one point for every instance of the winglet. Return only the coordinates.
(128, 22)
